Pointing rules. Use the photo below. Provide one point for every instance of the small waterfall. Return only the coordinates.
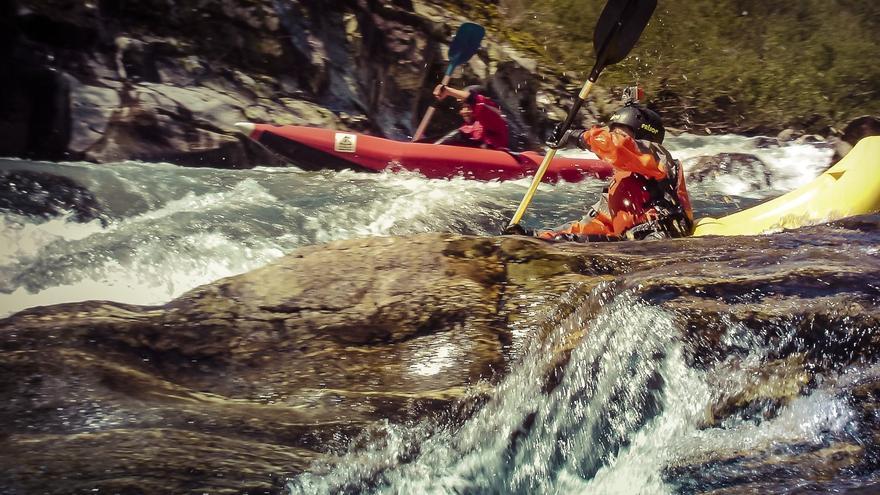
(527, 439)
(626, 409)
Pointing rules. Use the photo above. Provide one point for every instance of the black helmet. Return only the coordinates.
(645, 123)
(473, 90)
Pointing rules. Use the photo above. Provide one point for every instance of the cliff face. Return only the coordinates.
(241, 382)
(155, 80)
(165, 81)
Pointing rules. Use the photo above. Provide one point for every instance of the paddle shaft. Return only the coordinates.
(619, 27)
(464, 45)
(430, 113)
(545, 164)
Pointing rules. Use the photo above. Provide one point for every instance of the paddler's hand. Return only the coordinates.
(517, 229)
(440, 92)
(562, 139)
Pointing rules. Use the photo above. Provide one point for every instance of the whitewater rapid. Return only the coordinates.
(169, 229)
(628, 413)
(627, 410)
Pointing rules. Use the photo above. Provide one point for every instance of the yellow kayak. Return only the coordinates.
(851, 187)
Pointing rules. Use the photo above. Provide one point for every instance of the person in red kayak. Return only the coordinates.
(647, 197)
(484, 125)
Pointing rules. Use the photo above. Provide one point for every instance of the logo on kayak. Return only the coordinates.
(345, 143)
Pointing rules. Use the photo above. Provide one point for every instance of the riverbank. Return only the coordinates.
(743, 67)
(112, 81)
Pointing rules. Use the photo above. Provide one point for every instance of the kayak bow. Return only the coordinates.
(851, 187)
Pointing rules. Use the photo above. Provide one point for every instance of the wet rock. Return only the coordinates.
(137, 60)
(770, 387)
(297, 357)
(92, 109)
(764, 142)
(826, 467)
(861, 127)
(710, 168)
(788, 135)
(516, 87)
(190, 392)
(745, 472)
(158, 122)
(810, 139)
(47, 195)
(840, 147)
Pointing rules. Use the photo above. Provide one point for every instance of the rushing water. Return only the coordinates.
(626, 410)
(171, 228)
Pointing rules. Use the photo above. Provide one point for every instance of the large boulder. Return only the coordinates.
(255, 375)
(743, 165)
(105, 81)
(861, 127)
(157, 81)
(46, 195)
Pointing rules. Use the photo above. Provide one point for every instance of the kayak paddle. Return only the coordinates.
(464, 45)
(617, 30)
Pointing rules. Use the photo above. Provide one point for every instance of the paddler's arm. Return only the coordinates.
(601, 224)
(622, 152)
(442, 91)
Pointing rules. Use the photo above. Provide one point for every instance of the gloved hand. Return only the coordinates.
(571, 136)
(517, 229)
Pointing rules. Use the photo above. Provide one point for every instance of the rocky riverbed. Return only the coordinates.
(245, 381)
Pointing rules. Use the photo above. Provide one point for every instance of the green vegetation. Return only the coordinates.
(727, 64)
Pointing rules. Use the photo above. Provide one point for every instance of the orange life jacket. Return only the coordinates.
(646, 197)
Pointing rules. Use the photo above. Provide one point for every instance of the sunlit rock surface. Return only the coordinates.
(239, 383)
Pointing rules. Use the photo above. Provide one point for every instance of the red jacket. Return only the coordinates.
(489, 126)
(636, 193)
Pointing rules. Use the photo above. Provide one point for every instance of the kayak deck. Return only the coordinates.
(850, 187)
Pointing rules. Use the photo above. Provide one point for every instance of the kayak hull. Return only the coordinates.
(317, 149)
(851, 187)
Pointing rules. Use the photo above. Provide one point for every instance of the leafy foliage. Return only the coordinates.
(745, 64)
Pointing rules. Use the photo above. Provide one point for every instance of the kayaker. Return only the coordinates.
(647, 197)
(484, 124)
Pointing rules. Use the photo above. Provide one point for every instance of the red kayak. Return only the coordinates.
(317, 149)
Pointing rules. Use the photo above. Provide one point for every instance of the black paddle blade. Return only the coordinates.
(465, 44)
(618, 29)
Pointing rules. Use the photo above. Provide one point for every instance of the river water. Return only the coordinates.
(169, 229)
(628, 410)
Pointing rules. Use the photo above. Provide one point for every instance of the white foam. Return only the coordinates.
(24, 238)
(151, 274)
(248, 190)
(791, 165)
(398, 203)
(600, 398)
